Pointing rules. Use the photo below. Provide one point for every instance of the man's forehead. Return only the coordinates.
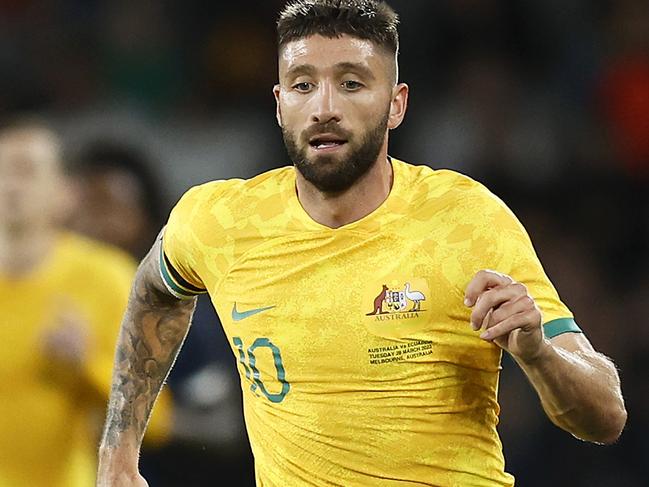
(326, 50)
(28, 146)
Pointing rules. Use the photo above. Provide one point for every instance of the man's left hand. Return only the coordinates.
(506, 314)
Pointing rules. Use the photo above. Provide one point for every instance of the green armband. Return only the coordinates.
(560, 326)
(175, 283)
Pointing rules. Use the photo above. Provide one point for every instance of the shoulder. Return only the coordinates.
(449, 189)
(227, 194)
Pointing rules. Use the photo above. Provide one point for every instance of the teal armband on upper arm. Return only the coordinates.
(175, 283)
(560, 326)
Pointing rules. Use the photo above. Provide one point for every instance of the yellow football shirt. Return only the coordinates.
(50, 418)
(357, 361)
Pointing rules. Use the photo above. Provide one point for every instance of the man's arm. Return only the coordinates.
(153, 329)
(578, 387)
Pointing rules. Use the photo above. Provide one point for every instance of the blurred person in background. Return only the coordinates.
(62, 297)
(334, 394)
(121, 203)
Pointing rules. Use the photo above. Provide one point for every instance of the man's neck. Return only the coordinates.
(23, 249)
(336, 210)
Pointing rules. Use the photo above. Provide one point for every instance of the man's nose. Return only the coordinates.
(326, 105)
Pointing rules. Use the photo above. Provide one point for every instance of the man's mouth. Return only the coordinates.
(326, 142)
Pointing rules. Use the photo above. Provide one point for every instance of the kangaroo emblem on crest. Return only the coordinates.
(378, 302)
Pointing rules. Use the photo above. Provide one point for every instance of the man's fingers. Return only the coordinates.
(482, 281)
(517, 305)
(492, 299)
(519, 320)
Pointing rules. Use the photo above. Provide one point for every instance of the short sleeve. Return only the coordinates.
(514, 255)
(180, 251)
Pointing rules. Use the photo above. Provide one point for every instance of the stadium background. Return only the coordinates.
(547, 102)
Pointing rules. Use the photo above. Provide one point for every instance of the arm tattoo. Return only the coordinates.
(154, 327)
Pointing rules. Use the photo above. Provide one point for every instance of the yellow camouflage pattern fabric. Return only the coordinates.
(358, 364)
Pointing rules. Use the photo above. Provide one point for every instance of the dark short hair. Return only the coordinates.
(371, 20)
(105, 155)
(19, 122)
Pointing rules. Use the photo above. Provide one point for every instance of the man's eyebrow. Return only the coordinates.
(359, 68)
(300, 70)
(345, 66)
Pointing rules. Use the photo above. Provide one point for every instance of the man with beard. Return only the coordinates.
(354, 291)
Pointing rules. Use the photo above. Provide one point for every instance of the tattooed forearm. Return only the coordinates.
(154, 327)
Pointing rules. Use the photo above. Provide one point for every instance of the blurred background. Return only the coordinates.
(545, 101)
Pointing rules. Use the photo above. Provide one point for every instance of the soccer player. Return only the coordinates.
(368, 301)
(62, 297)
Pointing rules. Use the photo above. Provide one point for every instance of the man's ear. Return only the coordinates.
(398, 105)
(278, 111)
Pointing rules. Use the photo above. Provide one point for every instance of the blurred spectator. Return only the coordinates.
(121, 203)
(120, 200)
(62, 297)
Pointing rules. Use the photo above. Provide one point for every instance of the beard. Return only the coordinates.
(331, 173)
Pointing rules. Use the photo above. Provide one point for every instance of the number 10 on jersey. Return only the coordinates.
(252, 372)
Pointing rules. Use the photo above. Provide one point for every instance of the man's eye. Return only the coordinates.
(304, 86)
(352, 85)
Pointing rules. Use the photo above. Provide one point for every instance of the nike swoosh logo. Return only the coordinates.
(242, 315)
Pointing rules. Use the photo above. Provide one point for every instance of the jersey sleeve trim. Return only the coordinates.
(174, 282)
(560, 326)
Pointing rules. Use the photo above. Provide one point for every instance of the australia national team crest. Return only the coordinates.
(403, 299)
(398, 304)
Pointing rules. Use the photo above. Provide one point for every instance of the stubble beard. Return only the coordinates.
(330, 173)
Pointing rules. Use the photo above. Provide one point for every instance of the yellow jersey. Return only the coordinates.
(50, 418)
(358, 364)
